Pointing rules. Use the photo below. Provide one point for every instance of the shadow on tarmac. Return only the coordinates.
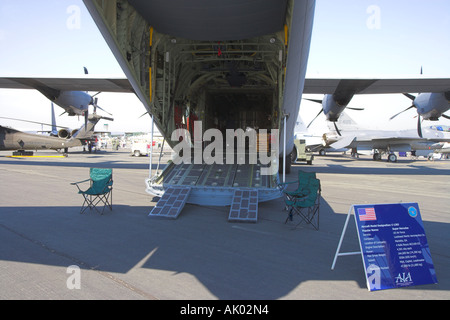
(267, 260)
(233, 261)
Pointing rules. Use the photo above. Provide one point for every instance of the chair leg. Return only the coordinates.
(290, 215)
(104, 200)
(91, 202)
(307, 215)
(87, 203)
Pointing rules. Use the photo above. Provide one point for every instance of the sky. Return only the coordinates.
(364, 38)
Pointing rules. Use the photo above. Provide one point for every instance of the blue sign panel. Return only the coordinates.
(394, 246)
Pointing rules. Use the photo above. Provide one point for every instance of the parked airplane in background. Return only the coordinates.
(11, 139)
(383, 141)
(430, 105)
(69, 93)
(315, 140)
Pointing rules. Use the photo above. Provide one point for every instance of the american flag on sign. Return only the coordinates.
(366, 214)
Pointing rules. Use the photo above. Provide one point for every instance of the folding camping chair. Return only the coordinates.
(302, 183)
(305, 202)
(99, 191)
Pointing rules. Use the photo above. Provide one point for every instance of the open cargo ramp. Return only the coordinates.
(244, 206)
(171, 203)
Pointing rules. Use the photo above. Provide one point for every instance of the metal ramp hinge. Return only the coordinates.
(244, 206)
(171, 203)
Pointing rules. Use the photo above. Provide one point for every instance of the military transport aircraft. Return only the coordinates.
(70, 93)
(229, 64)
(383, 141)
(430, 105)
(11, 139)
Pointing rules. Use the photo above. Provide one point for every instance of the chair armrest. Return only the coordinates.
(283, 185)
(290, 182)
(75, 183)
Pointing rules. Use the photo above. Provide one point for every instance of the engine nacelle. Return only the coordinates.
(74, 102)
(447, 96)
(432, 105)
(334, 105)
(64, 133)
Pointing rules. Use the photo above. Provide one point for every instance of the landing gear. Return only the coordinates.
(288, 164)
(377, 156)
(294, 155)
(392, 158)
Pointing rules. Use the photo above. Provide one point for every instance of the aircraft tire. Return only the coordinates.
(392, 158)
(376, 156)
(288, 164)
(294, 155)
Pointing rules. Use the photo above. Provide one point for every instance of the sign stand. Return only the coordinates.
(338, 250)
(393, 245)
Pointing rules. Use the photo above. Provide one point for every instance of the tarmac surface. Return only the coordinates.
(124, 254)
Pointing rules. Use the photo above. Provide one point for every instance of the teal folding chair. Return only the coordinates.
(302, 183)
(302, 186)
(99, 191)
(305, 203)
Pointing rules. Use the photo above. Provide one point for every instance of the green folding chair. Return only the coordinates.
(305, 204)
(302, 186)
(99, 191)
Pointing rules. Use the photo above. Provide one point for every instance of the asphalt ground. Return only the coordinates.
(49, 251)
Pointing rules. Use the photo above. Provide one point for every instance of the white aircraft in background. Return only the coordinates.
(431, 104)
(383, 141)
(314, 139)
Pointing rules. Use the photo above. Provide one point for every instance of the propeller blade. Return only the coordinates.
(143, 115)
(419, 127)
(104, 110)
(321, 110)
(97, 106)
(314, 100)
(86, 116)
(357, 109)
(413, 106)
(446, 116)
(337, 130)
(410, 96)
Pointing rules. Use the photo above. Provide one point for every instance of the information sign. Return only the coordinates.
(393, 245)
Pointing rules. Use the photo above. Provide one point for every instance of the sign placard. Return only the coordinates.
(393, 245)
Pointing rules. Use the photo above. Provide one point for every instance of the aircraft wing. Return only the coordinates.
(343, 142)
(312, 85)
(375, 86)
(67, 84)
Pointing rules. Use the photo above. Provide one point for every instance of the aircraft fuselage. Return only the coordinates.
(11, 139)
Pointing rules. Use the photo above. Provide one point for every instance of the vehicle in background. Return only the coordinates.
(141, 148)
(300, 153)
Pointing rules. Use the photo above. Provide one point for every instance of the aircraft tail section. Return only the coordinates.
(344, 123)
(87, 130)
(300, 126)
